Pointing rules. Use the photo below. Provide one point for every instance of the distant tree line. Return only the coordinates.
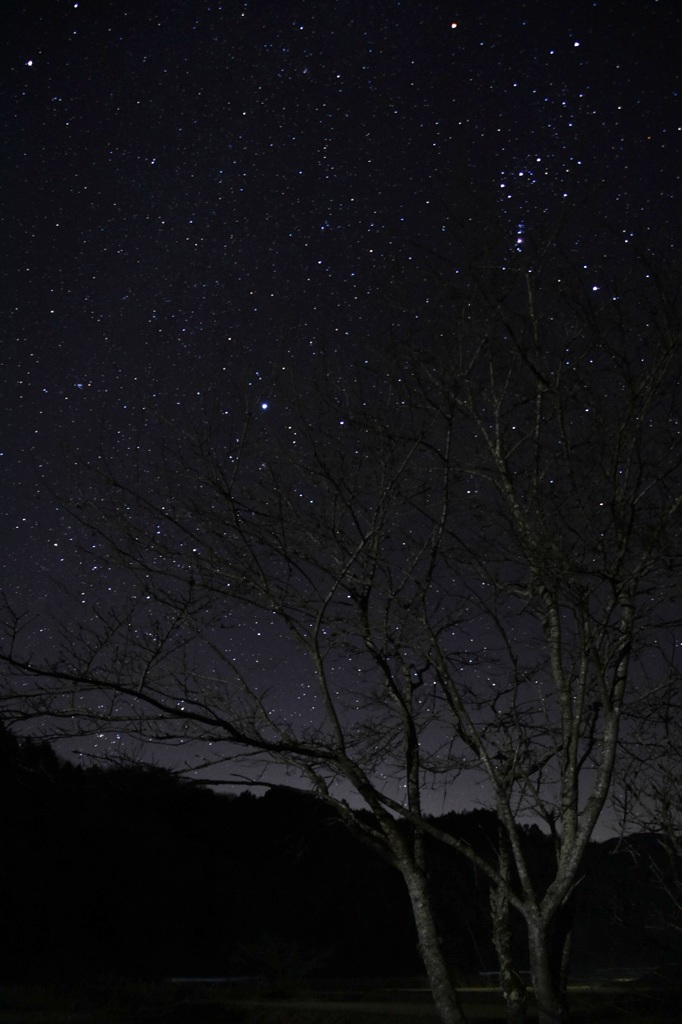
(132, 872)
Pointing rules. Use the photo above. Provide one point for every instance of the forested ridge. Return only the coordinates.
(133, 872)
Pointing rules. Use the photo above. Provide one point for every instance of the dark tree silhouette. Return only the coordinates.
(647, 794)
(466, 543)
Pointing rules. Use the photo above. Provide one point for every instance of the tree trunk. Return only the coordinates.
(546, 977)
(443, 991)
(511, 984)
(513, 989)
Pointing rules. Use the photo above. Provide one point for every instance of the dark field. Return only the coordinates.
(654, 1002)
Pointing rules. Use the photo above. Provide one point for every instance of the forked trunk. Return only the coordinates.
(443, 991)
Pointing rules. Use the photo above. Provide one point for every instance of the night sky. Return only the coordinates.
(204, 191)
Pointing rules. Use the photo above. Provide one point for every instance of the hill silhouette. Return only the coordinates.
(132, 872)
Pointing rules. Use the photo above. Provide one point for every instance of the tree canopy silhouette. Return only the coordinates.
(469, 543)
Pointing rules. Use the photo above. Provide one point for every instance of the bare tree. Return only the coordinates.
(570, 430)
(647, 794)
(301, 525)
(466, 546)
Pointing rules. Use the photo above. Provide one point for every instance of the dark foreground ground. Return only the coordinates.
(652, 1001)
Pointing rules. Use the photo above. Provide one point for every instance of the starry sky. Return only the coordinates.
(196, 191)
